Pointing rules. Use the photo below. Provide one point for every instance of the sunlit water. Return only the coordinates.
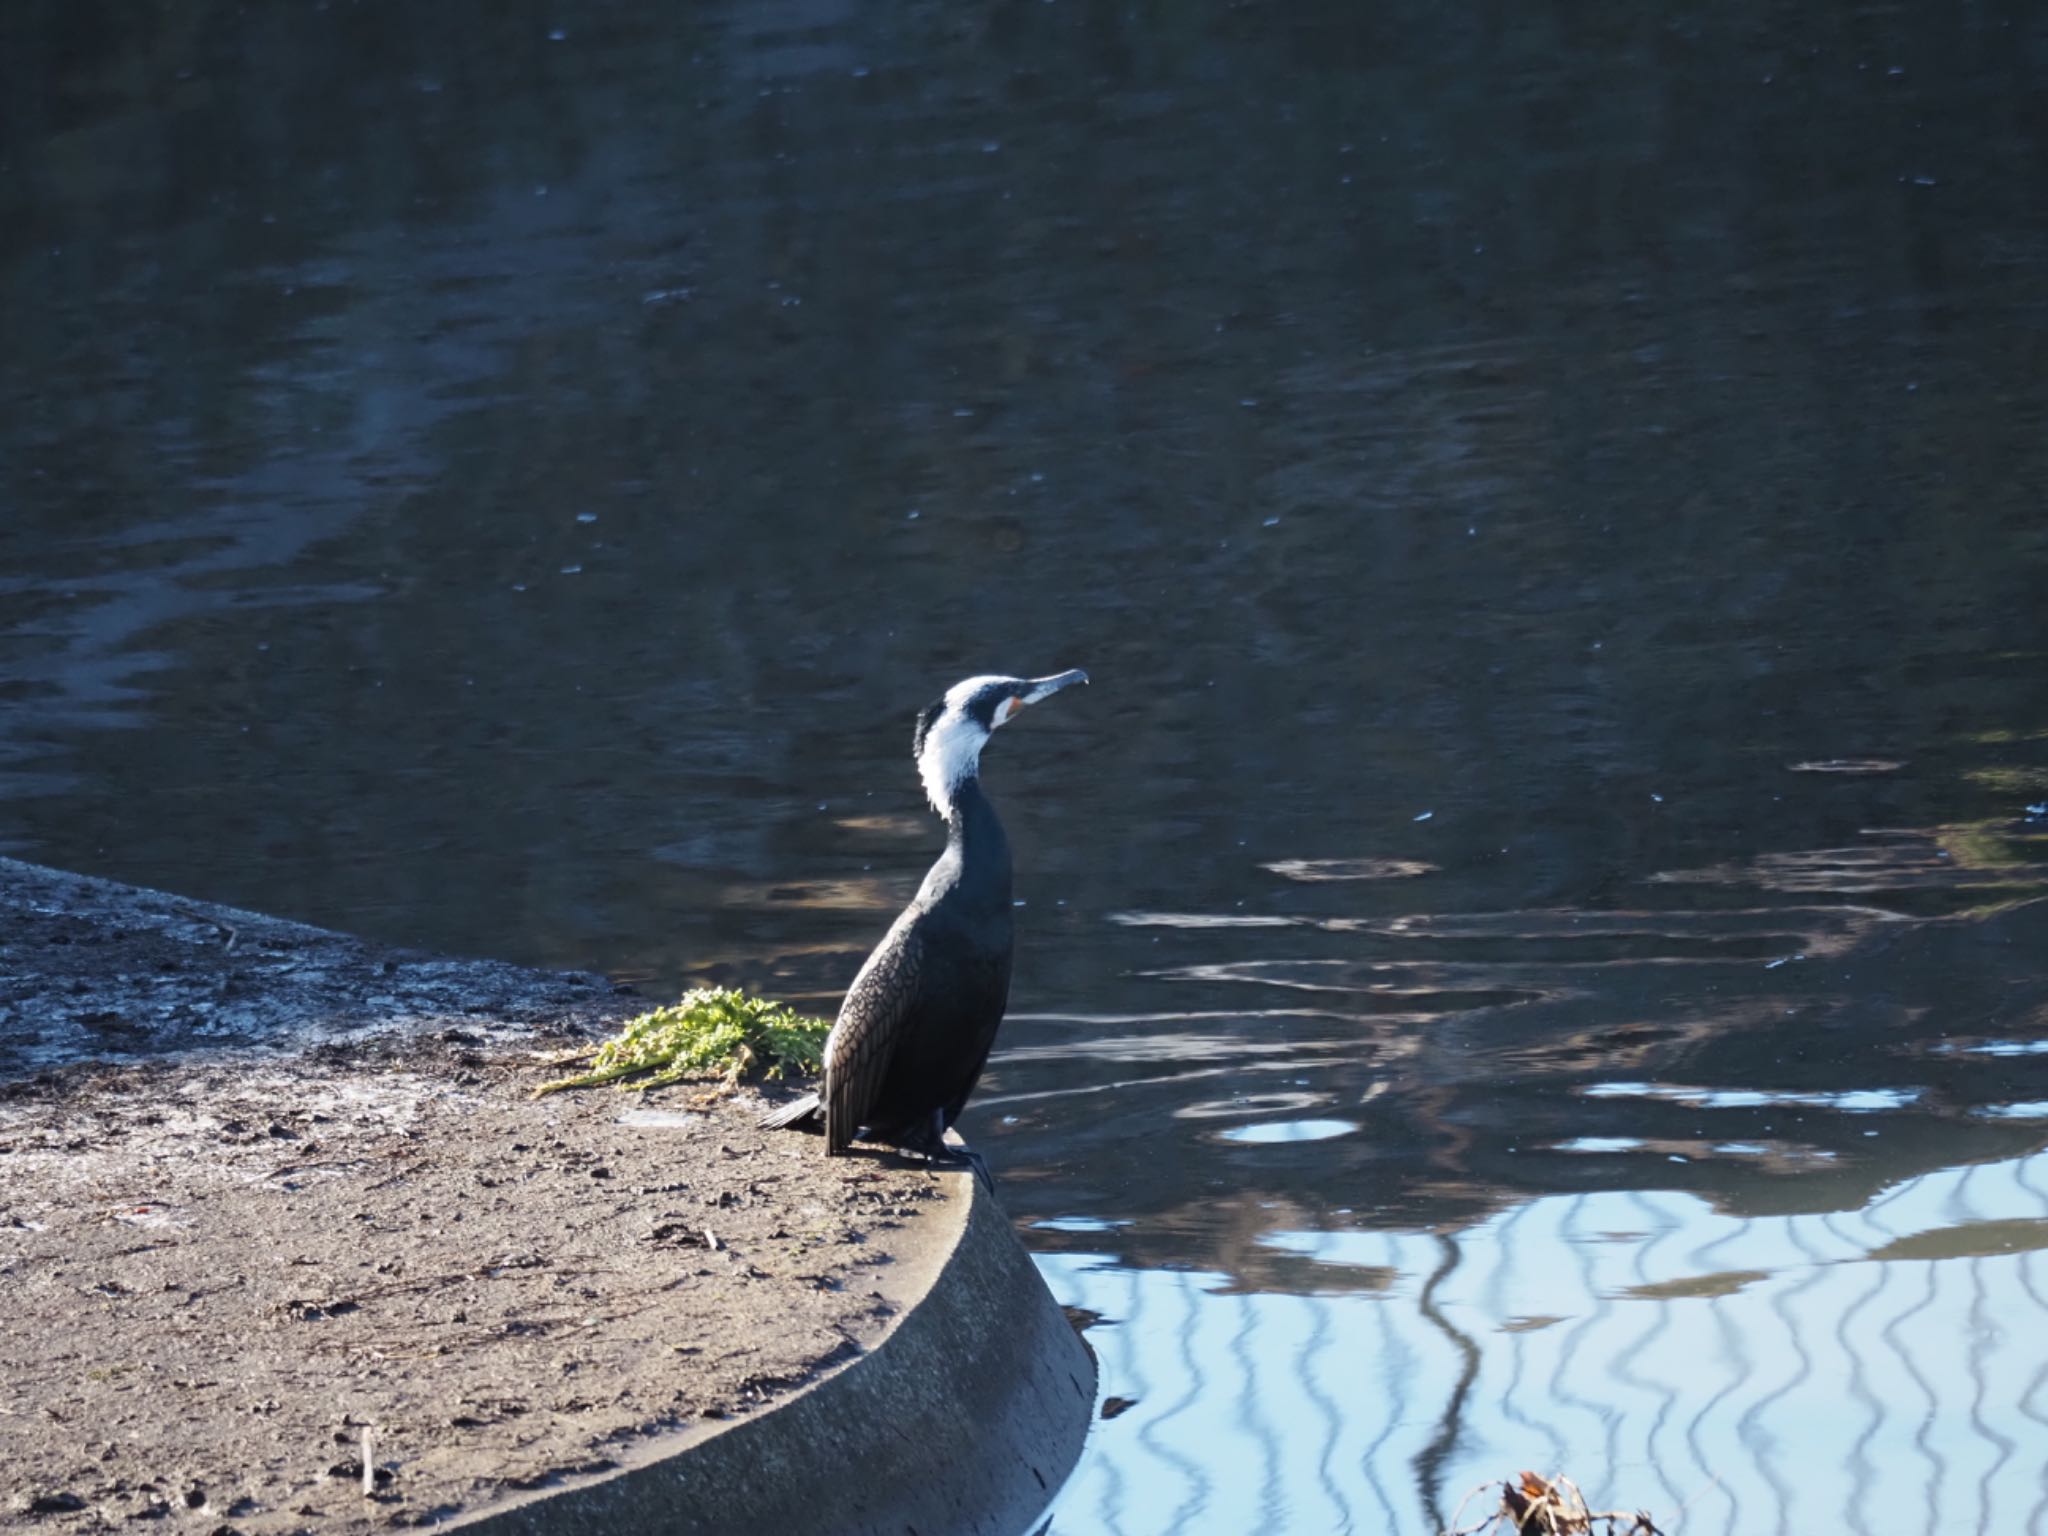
(1862, 1371)
(1531, 945)
(1740, 1307)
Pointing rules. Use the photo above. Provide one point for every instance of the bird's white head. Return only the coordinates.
(952, 732)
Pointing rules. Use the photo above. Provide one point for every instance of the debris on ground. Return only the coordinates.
(1533, 1505)
(382, 1289)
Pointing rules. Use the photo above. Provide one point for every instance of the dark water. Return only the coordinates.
(1533, 946)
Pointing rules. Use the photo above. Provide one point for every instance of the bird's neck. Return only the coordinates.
(976, 846)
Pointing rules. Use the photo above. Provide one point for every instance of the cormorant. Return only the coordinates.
(920, 1017)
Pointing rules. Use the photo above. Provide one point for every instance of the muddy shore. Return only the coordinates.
(285, 1243)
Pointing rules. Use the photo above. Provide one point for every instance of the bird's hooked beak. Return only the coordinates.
(1041, 688)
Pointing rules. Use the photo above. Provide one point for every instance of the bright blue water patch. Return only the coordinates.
(1290, 1130)
(1077, 1224)
(1852, 1101)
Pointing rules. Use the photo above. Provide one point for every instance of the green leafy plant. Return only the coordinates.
(710, 1033)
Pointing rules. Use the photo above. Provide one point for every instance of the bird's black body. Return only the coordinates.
(919, 1019)
(917, 1024)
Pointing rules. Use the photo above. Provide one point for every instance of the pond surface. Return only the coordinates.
(1532, 945)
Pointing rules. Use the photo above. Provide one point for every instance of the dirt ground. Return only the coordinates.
(231, 1276)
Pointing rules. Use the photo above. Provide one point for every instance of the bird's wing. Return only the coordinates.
(869, 1029)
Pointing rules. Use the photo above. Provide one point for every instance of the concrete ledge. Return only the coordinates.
(963, 1421)
(293, 1183)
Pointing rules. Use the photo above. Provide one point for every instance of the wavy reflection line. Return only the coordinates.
(1179, 1047)
(2022, 1175)
(1862, 1472)
(1959, 1209)
(1980, 1337)
(1430, 1459)
(1588, 1329)
(1518, 1343)
(1192, 1473)
(1235, 1069)
(1176, 1016)
(2035, 1384)
(1700, 1473)
(1571, 923)
(2023, 1170)
(2031, 1286)
(1312, 1348)
(1394, 1352)
(1463, 984)
(1819, 1276)
(1251, 1415)
(1749, 1427)
(1611, 1419)
(1937, 1463)
(1898, 859)
(1874, 1211)
(1131, 1367)
(1661, 1320)
(1733, 1353)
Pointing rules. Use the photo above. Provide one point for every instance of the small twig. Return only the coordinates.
(561, 1057)
(218, 926)
(1455, 1529)
(397, 1178)
(290, 1168)
(369, 1466)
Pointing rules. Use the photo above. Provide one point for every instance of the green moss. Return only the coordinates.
(710, 1033)
(1991, 845)
(2009, 781)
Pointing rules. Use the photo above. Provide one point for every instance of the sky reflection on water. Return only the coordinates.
(1860, 1371)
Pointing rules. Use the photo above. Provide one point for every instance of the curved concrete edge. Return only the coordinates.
(963, 1421)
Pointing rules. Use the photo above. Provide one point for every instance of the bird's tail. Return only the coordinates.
(804, 1114)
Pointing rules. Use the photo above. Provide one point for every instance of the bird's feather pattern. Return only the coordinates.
(869, 1029)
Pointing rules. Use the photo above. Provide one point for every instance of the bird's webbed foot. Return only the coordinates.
(938, 1152)
(973, 1159)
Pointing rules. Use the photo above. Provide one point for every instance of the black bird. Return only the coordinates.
(919, 1019)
